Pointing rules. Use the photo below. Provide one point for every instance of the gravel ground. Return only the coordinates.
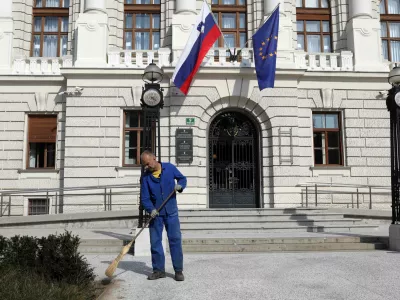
(311, 275)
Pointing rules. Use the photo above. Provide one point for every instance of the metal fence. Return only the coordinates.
(71, 200)
(314, 194)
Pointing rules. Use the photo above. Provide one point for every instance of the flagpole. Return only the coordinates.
(260, 27)
(216, 22)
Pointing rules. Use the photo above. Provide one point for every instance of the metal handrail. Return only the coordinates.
(342, 185)
(94, 187)
(9, 207)
(319, 190)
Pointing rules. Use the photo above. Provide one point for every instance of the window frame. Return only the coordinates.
(28, 145)
(305, 14)
(219, 9)
(30, 206)
(136, 9)
(339, 129)
(140, 130)
(387, 19)
(43, 12)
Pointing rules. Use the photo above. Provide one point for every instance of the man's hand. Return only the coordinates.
(178, 188)
(154, 213)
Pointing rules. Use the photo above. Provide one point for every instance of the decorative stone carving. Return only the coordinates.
(136, 94)
(92, 26)
(41, 101)
(327, 97)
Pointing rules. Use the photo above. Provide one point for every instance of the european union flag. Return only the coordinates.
(265, 44)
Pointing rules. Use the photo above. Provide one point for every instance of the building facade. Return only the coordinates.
(71, 82)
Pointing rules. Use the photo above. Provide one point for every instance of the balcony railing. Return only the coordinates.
(138, 59)
(216, 57)
(40, 65)
(342, 61)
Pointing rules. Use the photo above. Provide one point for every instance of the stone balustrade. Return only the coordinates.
(40, 65)
(138, 59)
(342, 61)
(216, 57)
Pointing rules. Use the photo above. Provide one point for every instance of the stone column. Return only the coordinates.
(182, 22)
(359, 8)
(363, 32)
(185, 7)
(269, 6)
(6, 36)
(285, 39)
(92, 36)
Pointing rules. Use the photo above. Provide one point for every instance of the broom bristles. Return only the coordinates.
(113, 266)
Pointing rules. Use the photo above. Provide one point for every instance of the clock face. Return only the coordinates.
(397, 99)
(152, 97)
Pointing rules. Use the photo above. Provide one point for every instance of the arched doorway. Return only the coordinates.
(233, 162)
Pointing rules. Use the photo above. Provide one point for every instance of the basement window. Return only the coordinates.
(38, 206)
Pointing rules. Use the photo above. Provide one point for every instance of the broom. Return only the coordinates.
(113, 266)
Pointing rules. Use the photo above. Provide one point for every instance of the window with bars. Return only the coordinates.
(313, 26)
(133, 137)
(38, 206)
(42, 136)
(50, 28)
(231, 18)
(390, 29)
(142, 24)
(327, 139)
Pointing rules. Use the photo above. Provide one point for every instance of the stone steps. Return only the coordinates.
(291, 244)
(255, 218)
(250, 212)
(262, 224)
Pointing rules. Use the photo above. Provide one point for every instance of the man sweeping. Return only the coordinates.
(157, 183)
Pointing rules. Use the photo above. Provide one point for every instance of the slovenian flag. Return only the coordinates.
(202, 38)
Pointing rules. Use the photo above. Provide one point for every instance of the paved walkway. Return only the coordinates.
(318, 275)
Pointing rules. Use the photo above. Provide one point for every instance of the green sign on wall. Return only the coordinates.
(190, 121)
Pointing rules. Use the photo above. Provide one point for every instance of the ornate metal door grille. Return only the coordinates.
(233, 162)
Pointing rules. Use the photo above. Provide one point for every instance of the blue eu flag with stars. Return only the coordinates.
(265, 44)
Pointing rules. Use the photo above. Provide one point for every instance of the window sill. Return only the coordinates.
(330, 171)
(128, 171)
(38, 173)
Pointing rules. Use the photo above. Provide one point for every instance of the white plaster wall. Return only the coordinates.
(18, 99)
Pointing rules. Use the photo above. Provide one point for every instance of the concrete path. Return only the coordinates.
(333, 275)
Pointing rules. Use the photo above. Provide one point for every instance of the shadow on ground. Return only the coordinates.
(137, 267)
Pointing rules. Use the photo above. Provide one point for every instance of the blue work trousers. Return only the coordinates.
(172, 226)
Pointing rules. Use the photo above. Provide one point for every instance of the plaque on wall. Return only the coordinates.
(184, 145)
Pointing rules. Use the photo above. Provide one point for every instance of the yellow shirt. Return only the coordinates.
(157, 174)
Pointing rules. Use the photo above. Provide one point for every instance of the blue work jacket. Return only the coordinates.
(156, 190)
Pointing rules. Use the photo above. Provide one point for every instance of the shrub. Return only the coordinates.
(52, 260)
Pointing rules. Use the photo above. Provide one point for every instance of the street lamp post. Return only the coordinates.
(152, 101)
(393, 106)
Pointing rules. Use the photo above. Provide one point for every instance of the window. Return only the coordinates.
(38, 207)
(42, 136)
(390, 29)
(327, 139)
(142, 24)
(313, 26)
(50, 28)
(231, 18)
(133, 137)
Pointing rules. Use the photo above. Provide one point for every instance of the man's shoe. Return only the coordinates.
(179, 276)
(156, 275)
